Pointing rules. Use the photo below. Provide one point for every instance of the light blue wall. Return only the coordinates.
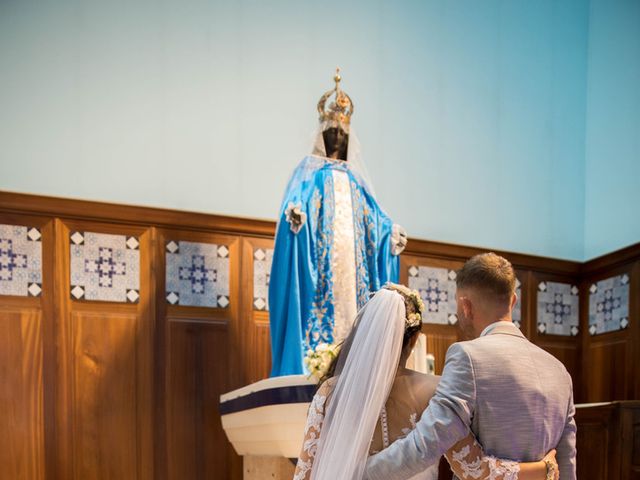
(612, 209)
(471, 114)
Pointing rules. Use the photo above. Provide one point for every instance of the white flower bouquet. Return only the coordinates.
(318, 360)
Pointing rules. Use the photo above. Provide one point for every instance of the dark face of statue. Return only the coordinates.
(336, 141)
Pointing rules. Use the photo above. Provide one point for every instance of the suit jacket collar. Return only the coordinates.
(506, 328)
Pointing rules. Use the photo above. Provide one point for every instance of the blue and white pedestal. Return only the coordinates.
(267, 418)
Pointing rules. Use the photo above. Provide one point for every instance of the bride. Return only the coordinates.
(368, 399)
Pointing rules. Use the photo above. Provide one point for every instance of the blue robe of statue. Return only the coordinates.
(333, 247)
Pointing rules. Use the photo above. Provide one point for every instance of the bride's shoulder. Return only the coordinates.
(322, 397)
(326, 387)
(424, 385)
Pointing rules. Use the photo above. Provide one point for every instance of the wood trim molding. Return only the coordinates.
(448, 251)
(22, 203)
(126, 214)
(612, 260)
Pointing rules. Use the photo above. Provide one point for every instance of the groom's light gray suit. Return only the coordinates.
(515, 397)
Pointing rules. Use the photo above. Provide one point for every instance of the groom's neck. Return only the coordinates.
(484, 323)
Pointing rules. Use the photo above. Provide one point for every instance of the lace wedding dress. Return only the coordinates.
(407, 400)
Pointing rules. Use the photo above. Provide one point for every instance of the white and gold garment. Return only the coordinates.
(334, 246)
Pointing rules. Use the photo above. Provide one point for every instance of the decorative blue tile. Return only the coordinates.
(105, 267)
(262, 258)
(558, 309)
(609, 305)
(516, 314)
(437, 287)
(197, 274)
(20, 261)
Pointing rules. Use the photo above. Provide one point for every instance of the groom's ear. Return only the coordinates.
(514, 299)
(467, 308)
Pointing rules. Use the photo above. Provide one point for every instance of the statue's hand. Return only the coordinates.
(398, 239)
(295, 216)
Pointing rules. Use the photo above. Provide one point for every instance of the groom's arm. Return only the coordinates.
(443, 423)
(566, 449)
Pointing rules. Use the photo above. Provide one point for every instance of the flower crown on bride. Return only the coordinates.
(412, 302)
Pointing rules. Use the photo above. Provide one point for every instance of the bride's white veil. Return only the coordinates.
(364, 375)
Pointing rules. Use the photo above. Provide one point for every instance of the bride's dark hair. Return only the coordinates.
(409, 331)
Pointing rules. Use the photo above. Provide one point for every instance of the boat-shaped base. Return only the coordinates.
(267, 418)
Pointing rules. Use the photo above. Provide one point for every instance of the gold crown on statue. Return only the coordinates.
(340, 109)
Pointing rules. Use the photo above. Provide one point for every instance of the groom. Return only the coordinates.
(516, 398)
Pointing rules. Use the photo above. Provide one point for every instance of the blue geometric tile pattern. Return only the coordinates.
(558, 309)
(437, 287)
(609, 305)
(105, 267)
(516, 314)
(20, 261)
(197, 274)
(262, 258)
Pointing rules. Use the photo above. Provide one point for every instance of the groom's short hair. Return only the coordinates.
(488, 272)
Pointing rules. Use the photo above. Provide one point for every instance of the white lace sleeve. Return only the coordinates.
(468, 461)
(315, 417)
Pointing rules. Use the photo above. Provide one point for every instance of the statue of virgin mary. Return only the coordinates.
(334, 244)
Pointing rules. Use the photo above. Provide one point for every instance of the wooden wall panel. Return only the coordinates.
(527, 323)
(610, 359)
(26, 368)
(104, 385)
(104, 394)
(607, 441)
(605, 373)
(631, 436)
(439, 337)
(198, 359)
(21, 392)
(564, 348)
(593, 435)
(256, 337)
